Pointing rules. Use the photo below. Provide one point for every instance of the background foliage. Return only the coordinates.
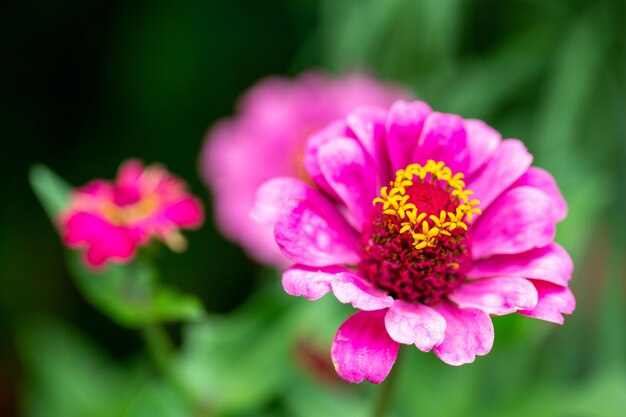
(89, 84)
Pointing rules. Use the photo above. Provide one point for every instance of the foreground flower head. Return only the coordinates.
(111, 219)
(266, 139)
(427, 223)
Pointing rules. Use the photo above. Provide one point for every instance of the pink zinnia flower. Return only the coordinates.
(111, 219)
(266, 139)
(427, 223)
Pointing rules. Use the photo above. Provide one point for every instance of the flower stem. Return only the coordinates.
(161, 348)
(386, 395)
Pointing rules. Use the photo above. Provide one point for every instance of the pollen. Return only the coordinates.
(416, 244)
(428, 202)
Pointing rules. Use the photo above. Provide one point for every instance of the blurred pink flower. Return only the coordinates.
(266, 139)
(425, 260)
(111, 219)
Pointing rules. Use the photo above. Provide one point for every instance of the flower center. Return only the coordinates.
(127, 209)
(417, 245)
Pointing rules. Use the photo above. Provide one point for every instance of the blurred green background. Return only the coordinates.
(88, 84)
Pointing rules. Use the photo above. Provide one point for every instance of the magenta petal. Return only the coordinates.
(551, 263)
(95, 188)
(311, 236)
(509, 162)
(335, 130)
(348, 171)
(497, 296)
(275, 197)
(313, 283)
(103, 240)
(186, 212)
(415, 324)
(443, 138)
(482, 141)
(310, 282)
(272, 197)
(368, 125)
(554, 301)
(518, 221)
(129, 172)
(404, 124)
(538, 178)
(349, 288)
(362, 349)
(469, 333)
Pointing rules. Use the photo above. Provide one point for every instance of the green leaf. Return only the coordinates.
(306, 399)
(51, 190)
(602, 395)
(156, 399)
(237, 364)
(66, 375)
(574, 76)
(131, 293)
(240, 363)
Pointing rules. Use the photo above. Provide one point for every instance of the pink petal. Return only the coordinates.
(129, 172)
(362, 349)
(227, 148)
(95, 188)
(538, 178)
(335, 130)
(469, 333)
(273, 199)
(368, 125)
(349, 288)
(310, 282)
(443, 138)
(103, 240)
(350, 174)
(405, 122)
(186, 212)
(554, 301)
(509, 162)
(497, 296)
(518, 221)
(415, 324)
(313, 283)
(315, 237)
(551, 263)
(482, 141)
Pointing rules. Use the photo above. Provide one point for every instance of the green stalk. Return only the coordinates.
(161, 349)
